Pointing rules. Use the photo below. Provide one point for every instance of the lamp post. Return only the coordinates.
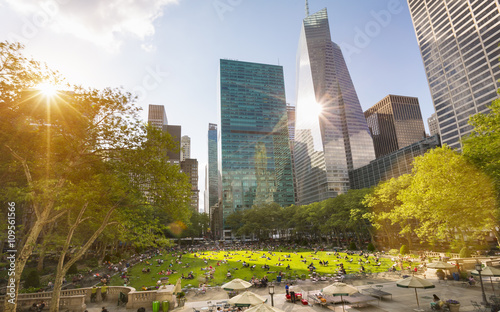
(479, 268)
(271, 292)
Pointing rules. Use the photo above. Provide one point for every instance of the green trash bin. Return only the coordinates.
(156, 306)
(165, 305)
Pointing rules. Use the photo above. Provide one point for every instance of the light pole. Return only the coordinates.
(479, 268)
(271, 292)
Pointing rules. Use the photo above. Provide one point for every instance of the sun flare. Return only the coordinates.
(47, 89)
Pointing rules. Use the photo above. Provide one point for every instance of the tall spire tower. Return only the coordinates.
(331, 133)
(307, 8)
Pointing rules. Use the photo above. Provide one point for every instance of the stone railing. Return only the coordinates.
(137, 299)
(25, 301)
(74, 299)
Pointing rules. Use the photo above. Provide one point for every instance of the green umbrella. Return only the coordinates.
(415, 282)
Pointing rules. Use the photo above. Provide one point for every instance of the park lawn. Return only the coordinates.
(197, 261)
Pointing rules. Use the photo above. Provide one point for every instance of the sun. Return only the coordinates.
(47, 89)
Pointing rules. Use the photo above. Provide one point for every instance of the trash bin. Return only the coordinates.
(165, 305)
(156, 306)
(279, 278)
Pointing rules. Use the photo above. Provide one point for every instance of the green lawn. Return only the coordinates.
(234, 264)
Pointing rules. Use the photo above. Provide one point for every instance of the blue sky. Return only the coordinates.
(168, 51)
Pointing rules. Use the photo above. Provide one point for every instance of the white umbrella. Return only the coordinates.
(246, 299)
(339, 289)
(440, 265)
(488, 271)
(236, 284)
(415, 282)
(262, 307)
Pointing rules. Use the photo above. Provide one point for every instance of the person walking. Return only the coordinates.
(292, 296)
(287, 289)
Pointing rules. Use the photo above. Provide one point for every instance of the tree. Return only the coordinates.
(449, 198)
(84, 156)
(482, 147)
(383, 202)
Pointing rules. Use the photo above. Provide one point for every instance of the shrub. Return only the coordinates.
(404, 250)
(73, 269)
(352, 246)
(92, 262)
(32, 279)
(464, 253)
(370, 247)
(107, 258)
(393, 252)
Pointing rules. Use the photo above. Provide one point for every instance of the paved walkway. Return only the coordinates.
(402, 299)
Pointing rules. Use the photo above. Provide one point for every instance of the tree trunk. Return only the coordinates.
(63, 268)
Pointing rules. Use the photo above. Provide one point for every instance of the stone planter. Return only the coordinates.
(454, 307)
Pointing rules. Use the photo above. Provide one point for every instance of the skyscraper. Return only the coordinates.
(190, 168)
(185, 147)
(395, 122)
(433, 124)
(255, 154)
(157, 115)
(331, 134)
(213, 166)
(174, 155)
(459, 46)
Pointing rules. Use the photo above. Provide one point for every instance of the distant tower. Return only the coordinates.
(331, 134)
(213, 166)
(190, 168)
(307, 8)
(433, 124)
(157, 115)
(395, 122)
(185, 147)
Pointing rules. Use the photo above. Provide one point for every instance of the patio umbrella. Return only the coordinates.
(236, 284)
(440, 265)
(415, 282)
(488, 271)
(246, 299)
(339, 289)
(262, 307)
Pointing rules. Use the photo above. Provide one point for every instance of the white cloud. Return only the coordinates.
(105, 23)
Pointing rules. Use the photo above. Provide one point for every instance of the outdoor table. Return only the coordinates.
(376, 292)
(358, 299)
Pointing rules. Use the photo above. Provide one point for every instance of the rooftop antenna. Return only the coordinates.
(307, 8)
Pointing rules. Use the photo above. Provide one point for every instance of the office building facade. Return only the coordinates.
(255, 155)
(185, 147)
(432, 122)
(459, 46)
(331, 133)
(190, 168)
(213, 166)
(157, 115)
(395, 122)
(391, 165)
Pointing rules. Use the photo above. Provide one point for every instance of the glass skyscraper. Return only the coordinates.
(255, 154)
(459, 46)
(331, 133)
(213, 167)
